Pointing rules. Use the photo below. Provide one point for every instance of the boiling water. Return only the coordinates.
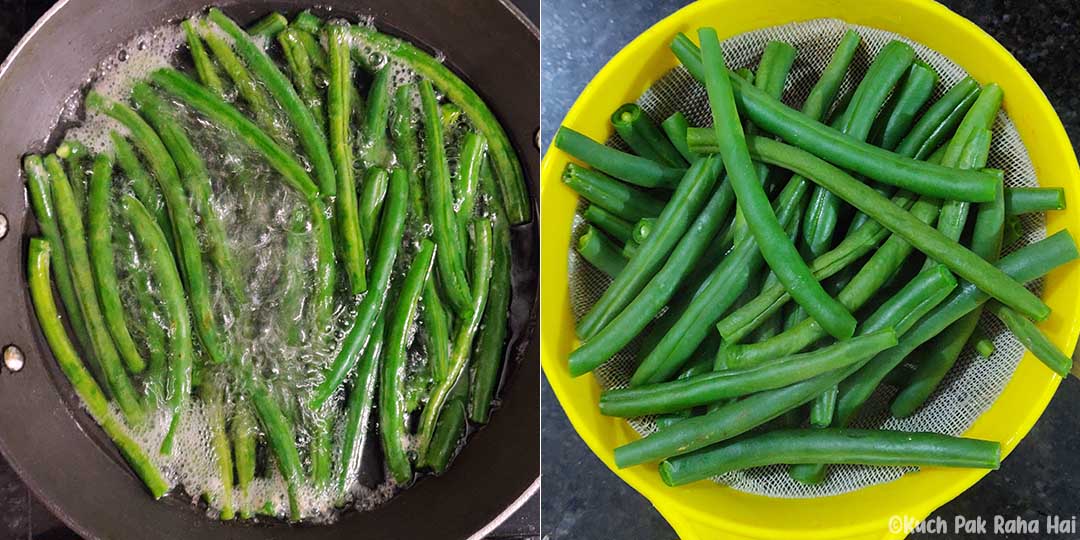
(262, 217)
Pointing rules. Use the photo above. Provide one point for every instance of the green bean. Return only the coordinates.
(436, 331)
(308, 22)
(102, 258)
(311, 138)
(905, 104)
(675, 127)
(642, 229)
(1028, 200)
(774, 66)
(717, 293)
(940, 357)
(686, 203)
(373, 142)
(739, 323)
(661, 286)
(290, 170)
(303, 76)
(620, 199)
(213, 396)
(242, 432)
(462, 345)
(372, 194)
(203, 65)
(391, 397)
(406, 148)
(196, 180)
(644, 137)
(824, 92)
(153, 332)
(1022, 265)
(1014, 230)
(166, 277)
(890, 65)
(712, 387)
(940, 120)
(73, 153)
(181, 216)
(629, 168)
(470, 162)
(320, 450)
(451, 426)
(961, 261)
(968, 149)
(248, 89)
(358, 424)
(386, 251)
(613, 225)
(726, 421)
(71, 228)
(350, 236)
(81, 380)
(849, 446)
(141, 182)
(776, 248)
(823, 408)
(981, 343)
(279, 433)
(1033, 339)
(508, 170)
(450, 255)
(39, 186)
(630, 249)
(269, 26)
(859, 157)
(870, 278)
(490, 348)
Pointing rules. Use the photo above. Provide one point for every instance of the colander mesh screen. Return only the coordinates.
(972, 385)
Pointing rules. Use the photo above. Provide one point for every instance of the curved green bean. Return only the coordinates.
(303, 76)
(141, 182)
(490, 349)
(675, 127)
(824, 92)
(450, 255)
(390, 234)
(470, 162)
(463, 342)
(39, 186)
(99, 230)
(776, 247)
(279, 433)
(905, 105)
(850, 446)
(269, 26)
(203, 65)
(81, 380)
(391, 397)
(940, 120)
(358, 425)
(1033, 339)
(350, 236)
(166, 277)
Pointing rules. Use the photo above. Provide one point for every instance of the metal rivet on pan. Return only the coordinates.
(13, 358)
(536, 138)
(3, 226)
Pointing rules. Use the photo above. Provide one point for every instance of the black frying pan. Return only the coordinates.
(60, 452)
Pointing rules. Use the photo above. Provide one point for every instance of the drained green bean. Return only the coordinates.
(1029, 200)
(629, 168)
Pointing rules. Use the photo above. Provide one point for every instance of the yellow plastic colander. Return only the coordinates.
(708, 510)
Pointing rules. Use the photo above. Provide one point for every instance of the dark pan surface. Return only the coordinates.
(59, 451)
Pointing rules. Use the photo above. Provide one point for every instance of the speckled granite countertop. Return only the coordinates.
(22, 516)
(582, 499)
